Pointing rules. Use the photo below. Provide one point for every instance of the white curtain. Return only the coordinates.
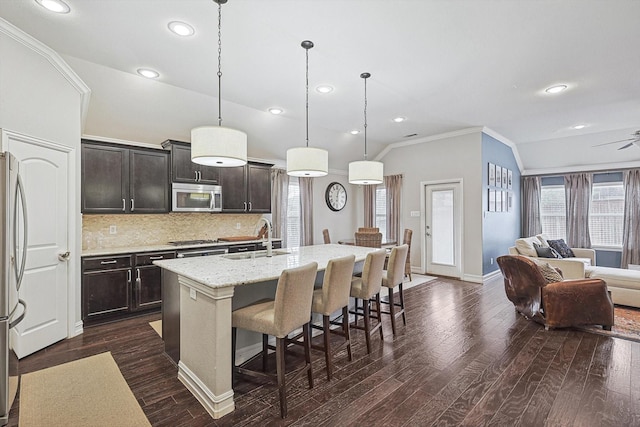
(531, 224)
(577, 189)
(631, 229)
(279, 197)
(306, 211)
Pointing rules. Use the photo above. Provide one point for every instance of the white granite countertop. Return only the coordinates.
(217, 271)
(160, 248)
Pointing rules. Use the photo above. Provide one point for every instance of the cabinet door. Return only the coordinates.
(182, 168)
(105, 293)
(209, 175)
(105, 179)
(234, 194)
(259, 188)
(149, 181)
(148, 287)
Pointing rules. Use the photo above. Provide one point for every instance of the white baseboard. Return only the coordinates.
(490, 276)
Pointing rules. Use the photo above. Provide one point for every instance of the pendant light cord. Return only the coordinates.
(219, 64)
(365, 76)
(307, 92)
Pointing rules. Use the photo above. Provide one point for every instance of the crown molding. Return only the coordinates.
(426, 139)
(54, 59)
(507, 142)
(603, 167)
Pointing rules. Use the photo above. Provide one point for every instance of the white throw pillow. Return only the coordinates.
(525, 246)
(543, 239)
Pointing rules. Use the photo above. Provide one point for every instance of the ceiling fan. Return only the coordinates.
(635, 139)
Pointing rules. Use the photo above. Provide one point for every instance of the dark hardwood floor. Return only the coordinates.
(464, 358)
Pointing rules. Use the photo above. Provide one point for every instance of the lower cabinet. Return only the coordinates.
(120, 286)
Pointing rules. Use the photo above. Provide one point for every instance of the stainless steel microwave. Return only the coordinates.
(196, 198)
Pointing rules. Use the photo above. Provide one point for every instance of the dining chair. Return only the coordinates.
(368, 229)
(366, 288)
(392, 277)
(334, 296)
(279, 317)
(407, 241)
(325, 235)
(371, 240)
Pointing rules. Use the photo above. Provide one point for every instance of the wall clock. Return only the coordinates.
(335, 196)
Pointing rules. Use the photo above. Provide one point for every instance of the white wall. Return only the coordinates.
(342, 224)
(41, 97)
(451, 157)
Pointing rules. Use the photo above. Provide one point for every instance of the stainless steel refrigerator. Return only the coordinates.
(13, 257)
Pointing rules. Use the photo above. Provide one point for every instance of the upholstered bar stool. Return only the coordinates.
(392, 277)
(407, 241)
(326, 237)
(333, 296)
(365, 288)
(279, 317)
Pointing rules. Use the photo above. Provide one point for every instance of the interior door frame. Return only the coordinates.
(423, 221)
(74, 320)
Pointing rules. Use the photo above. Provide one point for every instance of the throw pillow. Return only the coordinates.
(546, 251)
(549, 273)
(561, 247)
(525, 246)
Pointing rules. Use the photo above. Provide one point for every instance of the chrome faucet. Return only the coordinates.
(268, 243)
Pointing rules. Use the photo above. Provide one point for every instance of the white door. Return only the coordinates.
(44, 172)
(442, 237)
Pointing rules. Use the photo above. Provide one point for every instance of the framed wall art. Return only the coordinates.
(509, 179)
(498, 200)
(504, 177)
(492, 175)
(492, 200)
(498, 176)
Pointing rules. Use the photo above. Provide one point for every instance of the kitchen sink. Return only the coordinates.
(256, 254)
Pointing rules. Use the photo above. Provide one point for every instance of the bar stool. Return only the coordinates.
(365, 288)
(392, 277)
(407, 240)
(325, 236)
(334, 296)
(279, 317)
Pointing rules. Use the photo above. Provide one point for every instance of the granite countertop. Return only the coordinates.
(218, 271)
(159, 248)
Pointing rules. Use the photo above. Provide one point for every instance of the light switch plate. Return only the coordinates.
(192, 294)
(113, 229)
(415, 213)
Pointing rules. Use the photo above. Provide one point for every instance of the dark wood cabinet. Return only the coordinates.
(119, 286)
(184, 170)
(246, 188)
(118, 179)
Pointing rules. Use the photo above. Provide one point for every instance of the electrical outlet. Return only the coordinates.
(491, 261)
(192, 294)
(113, 229)
(237, 226)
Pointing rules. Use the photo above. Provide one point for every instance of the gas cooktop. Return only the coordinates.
(191, 242)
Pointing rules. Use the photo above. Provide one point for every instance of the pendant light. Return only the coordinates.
(365, 172)
(217, 145)
(307, 161)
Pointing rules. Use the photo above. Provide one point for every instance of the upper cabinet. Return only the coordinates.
(184, 170)
(118, 179)
(246, 188)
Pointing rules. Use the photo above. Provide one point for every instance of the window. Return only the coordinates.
(606, 214)
(381, 211)
(553, 211)
(293, 213)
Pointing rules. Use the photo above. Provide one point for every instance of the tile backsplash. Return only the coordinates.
(142, 230)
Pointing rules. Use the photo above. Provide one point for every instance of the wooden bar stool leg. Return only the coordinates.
(306, 330)
(355, 312)
(234, 333)
(327, 345)
(379, 311)
(345, 330)
(367, 325)
(404, 318)
(392, 311)
(265, 351)
(280, 345)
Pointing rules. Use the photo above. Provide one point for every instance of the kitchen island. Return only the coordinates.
(206, 300)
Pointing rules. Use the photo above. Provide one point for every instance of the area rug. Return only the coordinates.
(157, 326)
(86, 392)
(626, 324)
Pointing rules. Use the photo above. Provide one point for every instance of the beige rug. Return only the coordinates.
(157, 326)
(87, 392)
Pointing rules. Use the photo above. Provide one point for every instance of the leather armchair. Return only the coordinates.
(558, 304)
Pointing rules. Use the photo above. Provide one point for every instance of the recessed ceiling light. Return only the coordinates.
(150, 74)
(181, 28)
(57, 6)
(578, 127)
(276, 111)
(399, 119)
(354, 132)
(556, 89)
(324, 88)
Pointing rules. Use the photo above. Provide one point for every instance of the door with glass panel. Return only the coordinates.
(442, 235)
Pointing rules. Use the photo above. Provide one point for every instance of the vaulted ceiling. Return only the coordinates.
(443, 65)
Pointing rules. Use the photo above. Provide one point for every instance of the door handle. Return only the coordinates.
(249, 206)
(245, 206)
(124, 205)
(133, 206)
(64, 256)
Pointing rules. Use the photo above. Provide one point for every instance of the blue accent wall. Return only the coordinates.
(499, 229)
